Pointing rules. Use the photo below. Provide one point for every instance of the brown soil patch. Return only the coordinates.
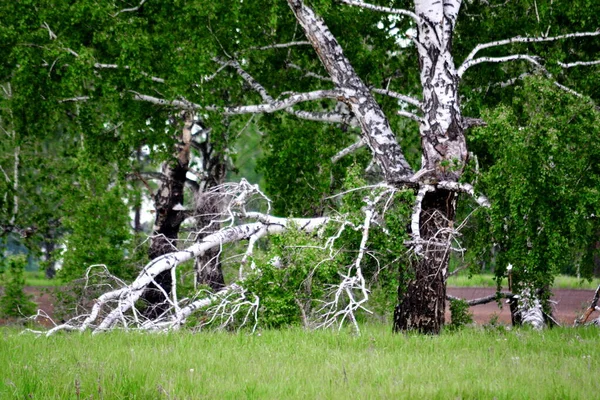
(570, 304)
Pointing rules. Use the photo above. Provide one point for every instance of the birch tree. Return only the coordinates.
(325, 78)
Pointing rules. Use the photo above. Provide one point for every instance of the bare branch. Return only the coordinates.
(483, 300)
(410, 115)
(278, 46)
(248, 78)
(465, 188)
(276, 105)
(415, 221)
(396, 95)
(75, 99)
(521, 39)
(467, 64)
(115, 66)
(592, 307)
(348, 150)
(309, 74)
(578, 63)
(132, 9)
(329, 117)
(50, 33)
(382, 9)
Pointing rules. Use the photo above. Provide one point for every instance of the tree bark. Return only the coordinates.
(168, 203)
(209, 204)
(422, 302)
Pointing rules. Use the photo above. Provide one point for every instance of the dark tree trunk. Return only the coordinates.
(50, 266)
(421, 304)
(208, 266)
(168, 203)
(209, 205)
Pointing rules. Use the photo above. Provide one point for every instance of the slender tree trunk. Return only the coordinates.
(168, 203)
(49, 247)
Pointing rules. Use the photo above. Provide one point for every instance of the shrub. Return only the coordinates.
(14, 302)
(460, 314)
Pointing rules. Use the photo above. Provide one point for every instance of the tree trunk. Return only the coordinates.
(168, 203)
(422, 302)
(208, 207)
(209, 204)
(208, 266)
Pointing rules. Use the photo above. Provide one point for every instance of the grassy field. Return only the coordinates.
(37, 278)
(290, 364)
(488, 280)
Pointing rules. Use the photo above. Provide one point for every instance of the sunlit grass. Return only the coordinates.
(488, 280)
(473, 363)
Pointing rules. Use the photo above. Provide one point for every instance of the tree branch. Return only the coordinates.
(520, 39)
(280, 46)
(348, 150)
(388, 10)
(483, 300)
(465, 188)
(132, 9)
(309, 74)
(374, 124)
(329, 117)
(470, 63)
(410, 115)
(396, 95)
(248, 78)
(578, 64)
(276, 105)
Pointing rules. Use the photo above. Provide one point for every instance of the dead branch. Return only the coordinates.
(592, 307)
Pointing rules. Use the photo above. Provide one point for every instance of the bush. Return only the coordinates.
(14, 302)
(460, 314)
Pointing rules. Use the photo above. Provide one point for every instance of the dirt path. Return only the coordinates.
(570, 304)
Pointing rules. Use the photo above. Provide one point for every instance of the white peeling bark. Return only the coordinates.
(373, 122)
(129, 295)
(442, 130)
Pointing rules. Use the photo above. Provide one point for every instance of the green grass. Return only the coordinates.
(289, 364)
(488, 280)
(38, 278)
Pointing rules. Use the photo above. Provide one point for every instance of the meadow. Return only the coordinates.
(473, 363)
(489, 280)
(37, 278)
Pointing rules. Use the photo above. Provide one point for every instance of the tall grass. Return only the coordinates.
(290, 364)
(488, 280)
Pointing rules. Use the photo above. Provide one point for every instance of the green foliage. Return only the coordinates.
(14, 302)
(290, 277)
(297, 166)
(99, 231)
(540, 170)
(460, 314)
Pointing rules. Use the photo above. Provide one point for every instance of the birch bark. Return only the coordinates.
(421, 304)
